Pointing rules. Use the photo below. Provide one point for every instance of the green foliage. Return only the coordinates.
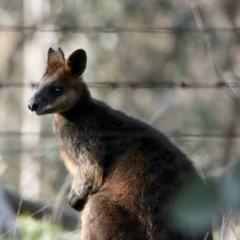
(198, 202)
(231, 190)
(195, 205)
(41, 230)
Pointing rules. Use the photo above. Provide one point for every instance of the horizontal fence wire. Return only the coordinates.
(119, 29)
(138, 84)
(173, 134)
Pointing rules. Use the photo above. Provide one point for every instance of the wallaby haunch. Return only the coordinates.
(125, 172)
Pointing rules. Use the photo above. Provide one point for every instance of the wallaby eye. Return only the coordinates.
(56, 90)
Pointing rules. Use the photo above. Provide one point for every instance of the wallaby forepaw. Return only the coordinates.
(75, 202)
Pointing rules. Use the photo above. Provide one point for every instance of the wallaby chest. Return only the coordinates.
(78, 140)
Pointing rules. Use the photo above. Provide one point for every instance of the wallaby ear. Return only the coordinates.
(55, 59)
(77, 62)
(60, 51)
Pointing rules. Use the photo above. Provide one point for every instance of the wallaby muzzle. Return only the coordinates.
(33, 105)
(37, 104)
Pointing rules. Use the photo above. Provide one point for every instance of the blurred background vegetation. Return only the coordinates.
(175, 65)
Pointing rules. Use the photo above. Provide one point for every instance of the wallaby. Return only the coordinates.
(125, 172)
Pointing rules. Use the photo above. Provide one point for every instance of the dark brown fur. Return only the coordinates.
(125, 172)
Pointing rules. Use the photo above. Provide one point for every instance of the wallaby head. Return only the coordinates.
(62, 85)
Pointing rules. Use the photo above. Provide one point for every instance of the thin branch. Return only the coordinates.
(225, 221)
(56, 212)
(210, 48)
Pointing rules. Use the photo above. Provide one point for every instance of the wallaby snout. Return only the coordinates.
(38, 104)
(33, 105)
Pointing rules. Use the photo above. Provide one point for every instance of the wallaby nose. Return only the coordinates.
(33, 105)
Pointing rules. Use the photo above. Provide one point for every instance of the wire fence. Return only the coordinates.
(223, 135)
(118, 29)
(176, 134)
(143, 84)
